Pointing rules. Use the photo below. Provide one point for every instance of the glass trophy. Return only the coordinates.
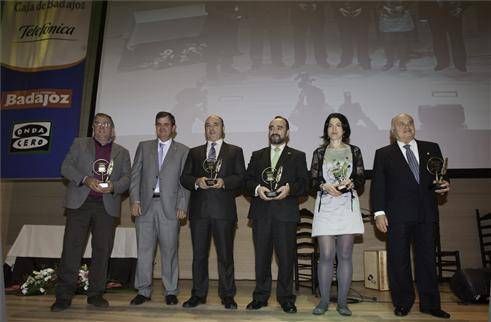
(340, 173)
(212, 167)
(103, 169)
(438, 167)
(272, 177)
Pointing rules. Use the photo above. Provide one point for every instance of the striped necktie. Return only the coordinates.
(413, 163)
(212, 154)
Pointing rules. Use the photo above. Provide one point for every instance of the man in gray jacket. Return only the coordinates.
(158, 202)
(92, 205)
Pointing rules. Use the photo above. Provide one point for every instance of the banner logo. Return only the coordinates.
(37, 98)
(30, 137)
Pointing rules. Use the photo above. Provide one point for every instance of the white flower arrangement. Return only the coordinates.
(38, 282)
(41, 282)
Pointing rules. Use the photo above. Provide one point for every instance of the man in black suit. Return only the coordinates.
(446, 18)
(405, 206)
(212, 211)
(274, 219)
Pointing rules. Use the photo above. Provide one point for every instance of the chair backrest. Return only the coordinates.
(305, 243)
(484, 230)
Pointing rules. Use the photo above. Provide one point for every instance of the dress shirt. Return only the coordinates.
(165, 149)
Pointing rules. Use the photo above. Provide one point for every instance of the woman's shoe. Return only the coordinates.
(343, 310)
(320, 309)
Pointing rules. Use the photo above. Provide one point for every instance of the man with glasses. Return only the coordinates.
(97, 170)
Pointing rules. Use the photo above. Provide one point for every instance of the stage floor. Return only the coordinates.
(36, 308)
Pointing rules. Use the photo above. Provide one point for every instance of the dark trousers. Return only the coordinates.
(399, 240)
(260, 32)
(354, 34)
(268, 234)
(300, 35)
(90, 217)
(223, 232)
(451, 26)
(397, 46)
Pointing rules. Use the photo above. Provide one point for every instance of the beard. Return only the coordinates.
(276, 139)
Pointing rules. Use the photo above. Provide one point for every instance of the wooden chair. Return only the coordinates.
(306, 254)
(484, 230)
(447, 262)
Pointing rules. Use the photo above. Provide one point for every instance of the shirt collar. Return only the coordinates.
(99, 143)
(401, 144)
(218, 142)
(281, 146)
(164, 142)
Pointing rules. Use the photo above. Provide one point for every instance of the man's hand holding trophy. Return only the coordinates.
(103, 170)
(438, 167)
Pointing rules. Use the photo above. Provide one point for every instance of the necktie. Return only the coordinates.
(161, 154)
(275, 157)
(413, 163)
(212, 154)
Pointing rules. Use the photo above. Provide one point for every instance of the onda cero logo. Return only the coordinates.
(31, 137)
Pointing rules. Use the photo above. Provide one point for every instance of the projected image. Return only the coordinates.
(250, 61)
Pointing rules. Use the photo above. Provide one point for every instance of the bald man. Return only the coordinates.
(405, 206)
(212, 211)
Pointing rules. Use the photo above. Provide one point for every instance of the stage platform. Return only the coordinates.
(36, 308)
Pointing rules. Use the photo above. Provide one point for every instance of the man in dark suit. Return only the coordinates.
(91, 206)
(158, 202)
(446, 18)
(212, 210)
(274, 218)
(405, 206)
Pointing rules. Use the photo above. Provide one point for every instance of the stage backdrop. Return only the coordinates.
(43, 50)
(175, 57)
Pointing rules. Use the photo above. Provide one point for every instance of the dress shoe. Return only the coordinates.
(343, 310)
(60, 305)
(229, 303)
(289, 307)
(387, 66)
(229, 70)
(402, 67)
(400, 311)
(256, 305)
(366, 66)
(320, 309)
(139, 299)
(171, 299)
(97, 301)
(194, 301)
(439, 313)
(343, 64)
(439, 67)
(461, 68)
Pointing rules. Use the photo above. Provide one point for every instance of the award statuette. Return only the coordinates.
(103, 169)
(437, 167)
(271, 177)
(340, 174)
(212, 167)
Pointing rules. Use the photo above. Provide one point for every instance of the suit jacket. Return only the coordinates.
(145, 173)
(395, 190)
(294, 173)
(78, 165)
(214, 203)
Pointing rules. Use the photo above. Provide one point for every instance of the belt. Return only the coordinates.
(156, 195)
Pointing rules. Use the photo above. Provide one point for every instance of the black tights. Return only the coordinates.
(329, 246)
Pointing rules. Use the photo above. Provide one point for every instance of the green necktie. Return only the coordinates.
(275, 157)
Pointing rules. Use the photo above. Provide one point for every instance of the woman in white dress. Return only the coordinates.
(337, 176)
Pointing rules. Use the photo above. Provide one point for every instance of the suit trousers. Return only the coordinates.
(90, 217)
(223, 232)
(267, 234)
(152, 227)
(440, 28)
(422, 235)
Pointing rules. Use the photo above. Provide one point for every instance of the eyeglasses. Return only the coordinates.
(102, 124)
